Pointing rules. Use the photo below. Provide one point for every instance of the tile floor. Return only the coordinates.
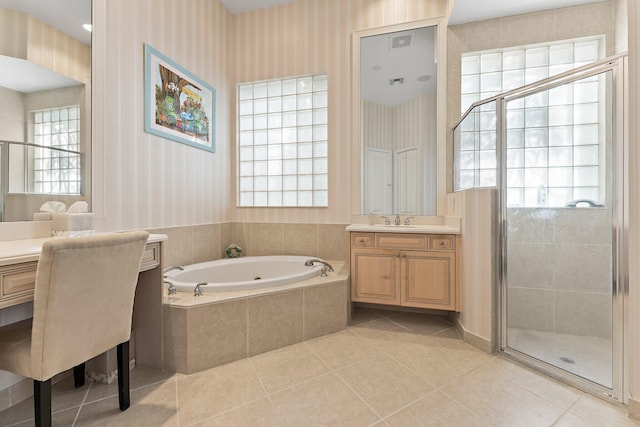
(386, 369)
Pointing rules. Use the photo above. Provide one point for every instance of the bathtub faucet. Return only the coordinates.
(197, 291)
(323, 273)
(173, 267)
(172, 288)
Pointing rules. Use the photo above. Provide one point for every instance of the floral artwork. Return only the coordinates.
(178, 105)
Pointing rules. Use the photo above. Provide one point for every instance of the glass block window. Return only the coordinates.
(283, 142)
(489, 73)
(475, 148)
(57, 171)
(555, 145)
(534, 123)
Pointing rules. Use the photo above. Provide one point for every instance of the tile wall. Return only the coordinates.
(199, 243)
(204, 336)
(572, 295)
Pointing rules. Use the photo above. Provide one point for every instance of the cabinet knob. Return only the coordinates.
(441, 243)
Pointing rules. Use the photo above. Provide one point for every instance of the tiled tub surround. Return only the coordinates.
(207, 242)
(218, 328)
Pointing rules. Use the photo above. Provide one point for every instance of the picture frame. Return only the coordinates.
(178, 105)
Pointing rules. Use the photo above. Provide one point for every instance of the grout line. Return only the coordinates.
(380, 418)
(84, 399)
(177, 404)
(255, 372)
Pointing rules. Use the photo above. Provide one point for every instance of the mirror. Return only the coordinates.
(398, 122)
(45, 117)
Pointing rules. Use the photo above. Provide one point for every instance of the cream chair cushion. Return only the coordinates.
(83, 302)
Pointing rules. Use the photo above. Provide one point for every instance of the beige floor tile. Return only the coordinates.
(153, 406)
(64, 396)
(361, 315)
(259, 414)
(500, 401)
(424, 324)
(60, 419)
(541, 385)
(322, 401)
(436, 409)
(384, 384)
(382, 331)
(341, 349)
(140, 376)
(598, 412)
(286, 367)
(436, 364)
(216, 390)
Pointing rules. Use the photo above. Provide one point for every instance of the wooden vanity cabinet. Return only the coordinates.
(411, 270)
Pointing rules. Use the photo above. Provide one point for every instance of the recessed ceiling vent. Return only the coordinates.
(396, 81)
(401, 41)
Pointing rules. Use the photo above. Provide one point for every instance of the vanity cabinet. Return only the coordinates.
(411, 270)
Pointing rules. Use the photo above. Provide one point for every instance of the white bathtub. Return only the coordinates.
(243, 273)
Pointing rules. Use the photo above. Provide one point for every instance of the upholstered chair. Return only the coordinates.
(83, 306)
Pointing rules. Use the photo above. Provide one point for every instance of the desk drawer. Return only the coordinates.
(150, 257)
(17, 280)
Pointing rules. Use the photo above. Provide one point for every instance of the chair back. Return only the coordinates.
(83, 302)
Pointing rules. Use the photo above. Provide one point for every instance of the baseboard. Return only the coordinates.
(633, 408)
(477, 341)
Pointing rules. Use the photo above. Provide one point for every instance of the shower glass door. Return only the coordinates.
(559, 210)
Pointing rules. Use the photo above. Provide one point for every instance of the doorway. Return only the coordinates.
(562, 228)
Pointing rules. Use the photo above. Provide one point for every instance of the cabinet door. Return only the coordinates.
(427, 280)
(374, 276)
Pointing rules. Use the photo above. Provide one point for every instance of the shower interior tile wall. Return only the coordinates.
(199, 243)
(568, 296)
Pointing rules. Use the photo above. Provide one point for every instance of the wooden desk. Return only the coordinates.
(18, 264)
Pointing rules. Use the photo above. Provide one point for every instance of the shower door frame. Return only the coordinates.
(620, 224)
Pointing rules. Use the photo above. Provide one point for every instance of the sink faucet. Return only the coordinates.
(323, 273)
(173, 267)
(387, 221)
(397, 221)
(406, 220)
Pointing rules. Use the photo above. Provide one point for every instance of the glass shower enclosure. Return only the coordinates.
(555, 152)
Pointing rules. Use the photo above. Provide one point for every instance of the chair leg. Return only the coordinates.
(123, 375)
(42, 402)
(78, 375)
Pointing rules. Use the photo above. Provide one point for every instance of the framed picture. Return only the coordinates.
(178, 105)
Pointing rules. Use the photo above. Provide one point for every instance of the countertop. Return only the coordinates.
(17, 251)
(413, 228)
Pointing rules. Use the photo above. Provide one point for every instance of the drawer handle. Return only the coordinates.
(361, 241)
(441, 243)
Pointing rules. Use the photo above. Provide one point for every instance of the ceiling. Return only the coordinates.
(69, 16)
(383, 61)
(463, 10)
(66, 15)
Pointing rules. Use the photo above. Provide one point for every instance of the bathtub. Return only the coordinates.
(243, 273)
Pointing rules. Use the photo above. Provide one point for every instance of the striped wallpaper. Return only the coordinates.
(307, 37)
(143, 181)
